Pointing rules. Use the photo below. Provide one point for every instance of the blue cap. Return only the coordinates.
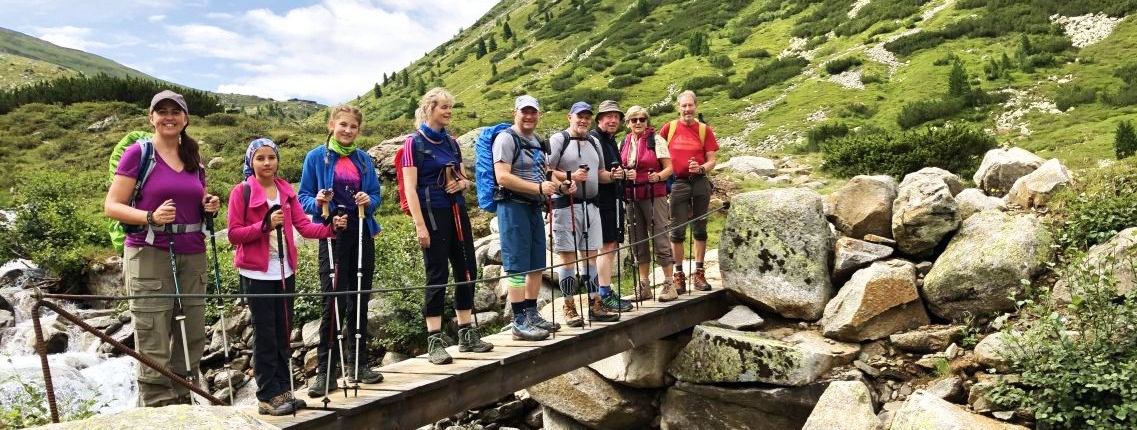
(579, 107)
(253, 147)
(525, 101)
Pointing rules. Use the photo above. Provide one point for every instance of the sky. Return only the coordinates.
(328, 51)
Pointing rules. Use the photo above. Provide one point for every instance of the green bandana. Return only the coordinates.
(336, 146)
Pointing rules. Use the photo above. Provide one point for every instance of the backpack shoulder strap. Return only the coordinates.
(564, 145)
(246, 192)
(145, 167)
(671, 126)
(702, 133)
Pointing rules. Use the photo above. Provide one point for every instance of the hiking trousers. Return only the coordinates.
(271, 331)
(345, 247)
(446, 253)
(157, 334)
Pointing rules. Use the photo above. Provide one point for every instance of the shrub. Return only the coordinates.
(1126, 95)
(1097, 206)
(700, 82)
(1073, 95)
(765, 75)
(1078, 362)
(871, 78)
(495, 94)
(754, 53)
(840, 65)
(954, 148)
(856, 110)
(660, 109)
(1124, 140)
(921, 111)
(720, 61)
(625, 68)
(624, 81)
(221, 119)
(821, 133)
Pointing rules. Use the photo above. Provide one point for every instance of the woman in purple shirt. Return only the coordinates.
(164, 217)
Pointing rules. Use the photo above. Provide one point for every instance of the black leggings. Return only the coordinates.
(345, 247)
(272, 332)
(446, 253)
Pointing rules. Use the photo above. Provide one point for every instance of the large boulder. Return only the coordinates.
(1001, 167)
(740, 317)
(644, 366)
(712, 407)
(845, 405)
(775, 251)
(972, 201)
(747, 164)
(383, 155)
(878, 301)
(995, 350)
(588, 398)
(923, 411)
(923, 213)
(1114, 258)
(984, 263)
(851, 255)
(955, 185)
(170, 417)
(927, 339)
(553, 420)
(863, 206)
(1036, 189)
(717, 355)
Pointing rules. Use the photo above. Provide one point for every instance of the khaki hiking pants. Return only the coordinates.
(157, 334)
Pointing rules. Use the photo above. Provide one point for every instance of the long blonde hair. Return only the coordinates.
(430, 100)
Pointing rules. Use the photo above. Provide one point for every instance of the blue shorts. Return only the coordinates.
(522, 236)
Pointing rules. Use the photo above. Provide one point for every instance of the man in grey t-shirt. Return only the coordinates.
(519, 168)
(576, 218)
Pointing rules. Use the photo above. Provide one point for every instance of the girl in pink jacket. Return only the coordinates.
(258, 207)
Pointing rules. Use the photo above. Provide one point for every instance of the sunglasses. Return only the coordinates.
(637, 120)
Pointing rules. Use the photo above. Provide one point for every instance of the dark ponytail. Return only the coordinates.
(189, 153)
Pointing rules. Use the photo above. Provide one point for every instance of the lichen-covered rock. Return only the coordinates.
(845, 405)
(644, 366)
(878, 301)
(1036, 189)
(588, 398)
(984, 264)
(717, 355)
(932, 338)
(775, 252)
(1115, 259)
(863, 206)
(713, 407)
(923, 411)
(1002, 167)
(923, 213)
(747, 164)
(972, 201)
(994, 351)
(851, 255)
(955, 185)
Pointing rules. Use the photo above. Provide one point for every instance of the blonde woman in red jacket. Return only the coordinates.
(257, 208)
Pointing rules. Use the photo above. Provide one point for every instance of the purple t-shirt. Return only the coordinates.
(186, 188)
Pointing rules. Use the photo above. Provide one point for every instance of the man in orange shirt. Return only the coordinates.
(692, 145)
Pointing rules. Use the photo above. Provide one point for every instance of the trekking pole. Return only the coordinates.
(587, 226)
(651, 235)
(282, 250)
(179, 310)
(333, 264)
(620, 226)
(358, 294)
(691, 244)
(220, 305)
(576, 253)
(634, 226)
(552, 275)
(450, 174)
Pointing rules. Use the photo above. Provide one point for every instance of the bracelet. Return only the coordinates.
(150, 218)
(539, 188)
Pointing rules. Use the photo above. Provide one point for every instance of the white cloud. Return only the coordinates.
(219, 16)
(156, 18)
(69, 37)
(333, 50)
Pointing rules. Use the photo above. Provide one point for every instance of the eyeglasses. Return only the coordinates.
(637, 120)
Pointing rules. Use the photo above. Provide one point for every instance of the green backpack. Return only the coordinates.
(115, 229)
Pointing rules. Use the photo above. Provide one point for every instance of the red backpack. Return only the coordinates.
(419, 149)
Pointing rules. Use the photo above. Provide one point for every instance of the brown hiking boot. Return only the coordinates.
(668, 294)
(598, 313)
(699, 280)
(572, 318)
(643, 291)
(679, 281)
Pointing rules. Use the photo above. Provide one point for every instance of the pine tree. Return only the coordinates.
(957, 81)
(506, 32)
(492, 46)
(493, 69)
(481, 52)
(384, 78)
(1124, 140)
(378, 91)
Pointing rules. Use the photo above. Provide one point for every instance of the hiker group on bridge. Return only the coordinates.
(585, 182)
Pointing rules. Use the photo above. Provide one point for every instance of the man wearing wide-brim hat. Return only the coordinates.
(608, 120)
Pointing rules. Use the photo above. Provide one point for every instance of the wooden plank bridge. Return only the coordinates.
(415, 392)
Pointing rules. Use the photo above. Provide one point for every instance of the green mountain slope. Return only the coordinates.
(22, 45)
(766, 74)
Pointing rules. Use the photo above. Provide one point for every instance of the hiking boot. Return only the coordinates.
(523, 331)
(367, 376)
(597, 312)
(322, 384)
(436, 349)
(679, 281)
(613, 302)
(470, 340)
(276, 406)
(297, 404)
(699, 280)
(572, 318)
(535, 319)
(668, 293)
(643, 290)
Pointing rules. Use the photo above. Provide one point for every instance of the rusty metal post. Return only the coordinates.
(41, 349)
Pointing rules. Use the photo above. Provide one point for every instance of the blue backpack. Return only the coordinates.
(489, 192)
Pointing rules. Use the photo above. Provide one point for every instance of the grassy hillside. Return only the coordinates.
(22, 45)
(645, 52)
(16, 71)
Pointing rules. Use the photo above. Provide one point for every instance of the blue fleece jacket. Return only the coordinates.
(318, 175)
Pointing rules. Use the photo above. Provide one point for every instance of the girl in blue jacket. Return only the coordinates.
(337, 174)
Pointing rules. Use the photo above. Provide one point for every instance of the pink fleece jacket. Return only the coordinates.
(245, 225)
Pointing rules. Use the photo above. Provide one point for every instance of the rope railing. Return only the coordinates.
(41, 297)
